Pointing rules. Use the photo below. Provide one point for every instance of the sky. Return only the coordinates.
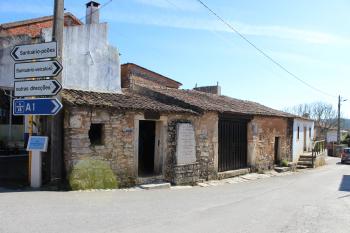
(184, 41)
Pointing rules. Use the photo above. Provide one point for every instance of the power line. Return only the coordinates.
(262, 52)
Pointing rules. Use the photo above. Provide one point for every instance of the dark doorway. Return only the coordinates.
(147, 131)
(232, 144)
(277, 150)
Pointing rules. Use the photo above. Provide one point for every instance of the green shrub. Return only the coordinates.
(284, 163)
(92, 174)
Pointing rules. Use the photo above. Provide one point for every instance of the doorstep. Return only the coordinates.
(155, 186)
(233, 173)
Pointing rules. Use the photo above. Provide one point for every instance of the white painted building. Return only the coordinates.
(89, 62)
(303, 136)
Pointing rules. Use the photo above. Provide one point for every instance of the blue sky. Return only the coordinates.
(180, 39)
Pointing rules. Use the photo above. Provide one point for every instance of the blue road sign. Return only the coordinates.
(42, 106)
(37, 143)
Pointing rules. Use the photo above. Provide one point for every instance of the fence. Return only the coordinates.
(319, 148)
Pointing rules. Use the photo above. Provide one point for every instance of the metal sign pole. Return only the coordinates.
(10, 118)
(30, 121)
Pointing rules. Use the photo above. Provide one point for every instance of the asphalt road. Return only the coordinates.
(313, 201)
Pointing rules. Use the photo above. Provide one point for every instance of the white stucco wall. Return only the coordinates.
(298, 144)
(332, 136)
(89, 62)
(6, 61)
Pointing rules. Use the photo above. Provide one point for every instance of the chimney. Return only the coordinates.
(92, 13)
(216, 90)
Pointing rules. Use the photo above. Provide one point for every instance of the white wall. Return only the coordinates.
(298, 144)
(89, 62)
(6, 61)
(332, 136)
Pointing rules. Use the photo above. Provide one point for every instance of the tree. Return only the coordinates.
(322, 113)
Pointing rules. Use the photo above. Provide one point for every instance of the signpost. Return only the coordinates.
(37, 69)
(34, 51)
(46, 87)
(36, 145)
(41, 106)
(32, 87)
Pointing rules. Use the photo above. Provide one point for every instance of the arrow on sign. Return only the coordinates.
(34, 51)
(37, 88)
(42, 106)
(37, 69)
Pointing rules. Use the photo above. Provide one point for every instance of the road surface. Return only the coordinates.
(313, 201)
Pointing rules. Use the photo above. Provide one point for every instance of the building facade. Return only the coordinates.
(303, 137)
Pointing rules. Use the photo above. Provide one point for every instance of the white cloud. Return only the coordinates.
(183, 5)
(196, 23)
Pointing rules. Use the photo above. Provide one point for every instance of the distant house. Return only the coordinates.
(303, 136)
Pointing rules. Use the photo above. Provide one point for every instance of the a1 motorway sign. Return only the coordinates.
(37, 88)
(34, 51)
(37, 69)
(41, 106)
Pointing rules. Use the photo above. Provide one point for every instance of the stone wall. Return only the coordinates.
(206, 136)
(262, 132)
(117, 147)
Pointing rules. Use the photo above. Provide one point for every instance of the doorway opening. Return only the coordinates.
(277, 149)
(147, 133)
(232, 144)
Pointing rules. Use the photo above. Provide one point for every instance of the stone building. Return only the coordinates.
(247, 135)
(132, 132)
(147, 129)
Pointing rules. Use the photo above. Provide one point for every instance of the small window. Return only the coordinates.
(95, 134)
(298, 133)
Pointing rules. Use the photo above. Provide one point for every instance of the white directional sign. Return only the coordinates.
(37, 88)
(37, 69)
(34, 51)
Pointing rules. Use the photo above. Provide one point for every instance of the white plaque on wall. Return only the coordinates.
(185, 144)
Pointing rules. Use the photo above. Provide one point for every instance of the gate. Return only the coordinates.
(232, 144)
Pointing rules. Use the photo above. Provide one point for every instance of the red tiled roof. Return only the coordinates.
(37, 20)
(221, 104)
(124, 101)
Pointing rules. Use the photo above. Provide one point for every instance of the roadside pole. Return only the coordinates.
(30, 133)
(57, 120)
(10, 118)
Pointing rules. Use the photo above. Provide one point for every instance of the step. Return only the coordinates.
(150, 179)
(306, 163)
(233, 173)
(155, 186)
(302, 167)
(307, 154)
(305, 159)
(282, 169)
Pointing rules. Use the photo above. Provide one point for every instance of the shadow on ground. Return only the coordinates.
(345, 184)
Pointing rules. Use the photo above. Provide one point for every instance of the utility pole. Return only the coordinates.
(57, 120)
(338, 130)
